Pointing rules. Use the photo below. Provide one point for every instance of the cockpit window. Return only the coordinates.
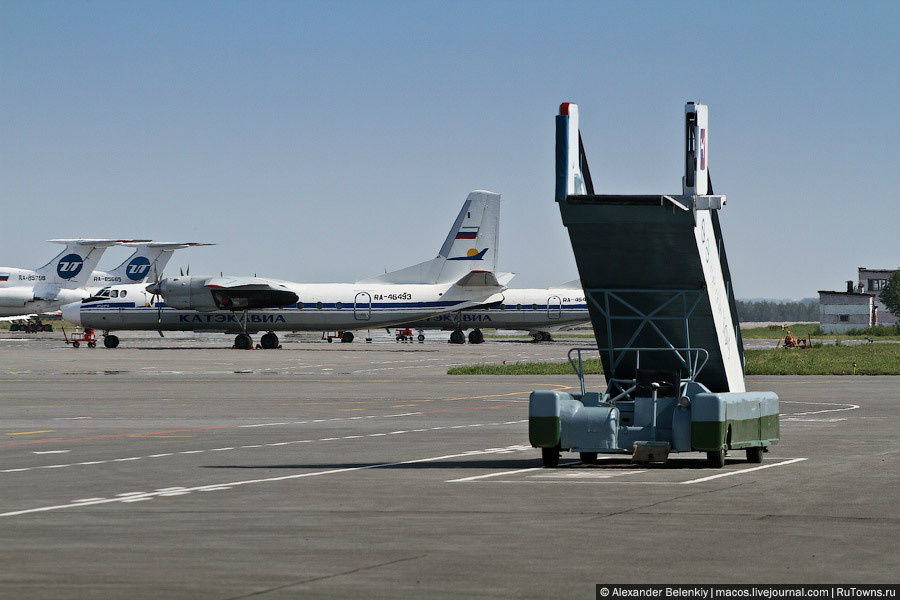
(104, 293)
(122, 293)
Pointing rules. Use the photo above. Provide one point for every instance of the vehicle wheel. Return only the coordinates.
(476, 337)
(421, 337)
(540, 336)
(330, 339)
(347, 337)
(75, 344)
(111, 341)
(92, 344)
(550, 456)
(716, 460)
(457, 337)
(754, 455)
(269, 341)
(588, 458)
(243, 341)
(48, 328)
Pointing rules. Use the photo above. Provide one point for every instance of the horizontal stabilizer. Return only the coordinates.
(575, 284)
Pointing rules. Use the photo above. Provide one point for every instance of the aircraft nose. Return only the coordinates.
(72, 313)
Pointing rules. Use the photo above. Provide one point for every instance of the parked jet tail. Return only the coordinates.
(148, 258)
(72, 267)
(471, 245)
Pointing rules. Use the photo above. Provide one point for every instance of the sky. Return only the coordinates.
(323, 142)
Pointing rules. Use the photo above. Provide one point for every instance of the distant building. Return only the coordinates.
(858, 307)
(873, 281)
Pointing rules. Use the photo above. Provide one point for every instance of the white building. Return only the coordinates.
(873, 281)
(840, 312)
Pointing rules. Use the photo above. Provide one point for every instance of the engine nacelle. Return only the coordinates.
(13, 297)
(186, 293)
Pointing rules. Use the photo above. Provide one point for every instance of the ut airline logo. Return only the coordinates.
(69, 266)
(138, 268)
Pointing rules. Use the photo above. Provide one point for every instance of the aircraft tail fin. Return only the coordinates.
(575, 284)
(72, 267)
(148, 258)
(471, 245)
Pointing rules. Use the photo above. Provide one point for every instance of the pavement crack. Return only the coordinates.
(323, 577)
(652, 504)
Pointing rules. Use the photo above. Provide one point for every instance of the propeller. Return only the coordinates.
(155, 297)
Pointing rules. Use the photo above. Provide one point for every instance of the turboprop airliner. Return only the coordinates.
(538, 311)
(459, 277)
(62, 280)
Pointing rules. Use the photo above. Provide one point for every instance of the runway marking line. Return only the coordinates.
(269, 445)
(141, 496)
(31, 432)
(789, 461)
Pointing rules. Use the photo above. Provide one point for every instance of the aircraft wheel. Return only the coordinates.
(457, 337)
(75, 344)
(421, 337)
(111, 341)
(588, 458)
(269, 341)
(476, 337)
(243, 341)
(754, 455)
(716, 460)
(347, 337)
(550, 456)
(539, 336)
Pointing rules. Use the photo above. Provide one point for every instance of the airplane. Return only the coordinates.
(537, 310)
(148, 260)
(60, 281)
(459, 277)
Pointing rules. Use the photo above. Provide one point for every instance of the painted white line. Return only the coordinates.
(264, 424)
(274, 444)
(476, 477)
(844, 406)
(795, 420)
(51, 452)
(742, 471)
(135, 496)
(593, 474)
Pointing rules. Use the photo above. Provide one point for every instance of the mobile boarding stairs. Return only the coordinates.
(656, 279)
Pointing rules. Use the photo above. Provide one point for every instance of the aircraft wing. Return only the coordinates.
(245, 283)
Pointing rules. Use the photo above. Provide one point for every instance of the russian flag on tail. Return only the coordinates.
(467, 233)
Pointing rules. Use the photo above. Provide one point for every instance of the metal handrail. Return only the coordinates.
(695, 364)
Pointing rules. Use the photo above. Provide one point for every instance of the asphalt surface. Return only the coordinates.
(178, 468)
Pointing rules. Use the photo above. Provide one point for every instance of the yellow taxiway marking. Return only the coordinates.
(30, 432)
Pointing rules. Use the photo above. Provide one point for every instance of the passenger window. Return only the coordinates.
(518, 307)
(114, 293)
(319, 305)
(534, 307)
(338, 305)
(122, 294)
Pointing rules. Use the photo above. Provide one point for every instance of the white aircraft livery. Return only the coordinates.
(459, 277)
(62, 280)
(539, 311)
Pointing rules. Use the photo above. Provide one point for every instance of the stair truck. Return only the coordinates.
(656, 278)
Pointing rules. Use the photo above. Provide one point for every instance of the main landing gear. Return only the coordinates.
(110, 340)
(458, 337)
(541, 336)
(269, 341)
